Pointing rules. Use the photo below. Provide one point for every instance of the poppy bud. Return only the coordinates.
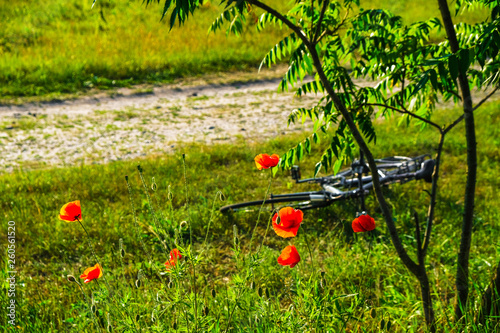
(174, 325)
(138, 283)
(137, 317)
(373, 313)
(259, 292)
(71, 278)
(235, 234)
(153, 185)
(169, 195)
(110, 328)
(206, 310)
(153, 319)
(389, 324)
(267, 293)
(122, 251)
(213, 293)
(126, 178)
(93, 308)
(382, 324)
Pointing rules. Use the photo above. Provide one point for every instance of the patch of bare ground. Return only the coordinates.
(141, 121)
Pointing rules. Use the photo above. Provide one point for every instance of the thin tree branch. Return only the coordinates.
(298, 31)
(408, 262)
(459, 119)
(485, 99)
(334, 31)
(420, 254)
(432, 204)
(405, 112)
(320, 20)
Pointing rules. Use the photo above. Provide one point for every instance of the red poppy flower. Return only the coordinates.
(91, 273)
(289, 222)
(289, 256)
(264, 161)
(363, 223)
(71, 212)
(170, 264)
(175, 254)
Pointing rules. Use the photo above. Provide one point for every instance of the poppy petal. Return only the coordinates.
(285, 232)
(264, 161)
(175, 254)
(91, 273)
(71, 212)
(170, 264)
(289, 256)
(363, 223)
(289, 222)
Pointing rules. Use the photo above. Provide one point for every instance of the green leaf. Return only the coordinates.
(275, 170)
(433, 77)
(337, 166)
(307, 145)
(423, 81)
(453, 66)
(300, 151)
(317, 168)
(464, 60)
(316, 138)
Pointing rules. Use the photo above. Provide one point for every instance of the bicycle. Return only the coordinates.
(355, 182)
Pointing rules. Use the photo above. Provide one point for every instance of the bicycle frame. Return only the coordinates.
(390, 170)
(417, 167)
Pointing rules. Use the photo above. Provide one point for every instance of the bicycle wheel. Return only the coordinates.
(302, 202)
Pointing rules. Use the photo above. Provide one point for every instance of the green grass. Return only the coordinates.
(363, 284)
(60, 47)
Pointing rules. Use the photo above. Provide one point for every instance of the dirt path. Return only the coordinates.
(139, 122)
(129, 123)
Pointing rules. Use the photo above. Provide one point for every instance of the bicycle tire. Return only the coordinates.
(303, 203)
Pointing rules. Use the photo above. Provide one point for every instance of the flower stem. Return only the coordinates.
(111, 291)
(267, 229)
(309, 249)
(89, 306)
(260, 210)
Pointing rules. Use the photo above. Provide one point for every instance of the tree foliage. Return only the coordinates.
(412, 68)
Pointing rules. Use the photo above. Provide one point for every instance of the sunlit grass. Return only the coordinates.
(60, 46)
(266, 297)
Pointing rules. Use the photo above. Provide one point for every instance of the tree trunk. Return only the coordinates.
(462, 277)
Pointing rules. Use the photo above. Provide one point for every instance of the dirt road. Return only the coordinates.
(137, 122)
(129, 123)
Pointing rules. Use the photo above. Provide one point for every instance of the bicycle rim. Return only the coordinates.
(302, 203)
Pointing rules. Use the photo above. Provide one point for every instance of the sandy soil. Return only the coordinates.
(141, 121)
(129, 123)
